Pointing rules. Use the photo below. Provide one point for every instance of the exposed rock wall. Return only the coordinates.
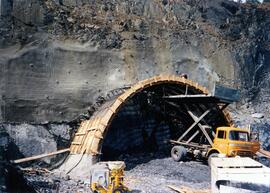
(57, 82)
(26, 140)
(5, 7)
(30, 12)
(68, 56)
(58, 57)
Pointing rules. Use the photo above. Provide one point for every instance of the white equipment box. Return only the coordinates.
(229, 175)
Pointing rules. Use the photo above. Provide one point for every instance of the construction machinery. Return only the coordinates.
(202, 140)
(229, 141)
(108, 177)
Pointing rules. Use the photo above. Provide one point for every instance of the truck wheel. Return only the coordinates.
(211, 156)
(178, 153)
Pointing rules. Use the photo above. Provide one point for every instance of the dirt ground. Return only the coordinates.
(145, 173)
(157, 174)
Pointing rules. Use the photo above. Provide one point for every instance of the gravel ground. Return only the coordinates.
(157, 174)
(154, 175)
(147, 173)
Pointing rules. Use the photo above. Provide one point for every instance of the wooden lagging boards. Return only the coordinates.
(89, 137)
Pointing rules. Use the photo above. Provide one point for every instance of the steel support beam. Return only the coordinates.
(196, 119)
(194, 124)
(194, 135)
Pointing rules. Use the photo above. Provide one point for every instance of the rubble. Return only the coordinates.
(155, 174)
(145, 173)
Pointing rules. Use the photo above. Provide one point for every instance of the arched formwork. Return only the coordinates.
(88, 139)
(87, 143)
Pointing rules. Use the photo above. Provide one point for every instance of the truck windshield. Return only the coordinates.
(239, 136)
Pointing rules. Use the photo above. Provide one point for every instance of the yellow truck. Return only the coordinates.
(206, 137)
(229, 141)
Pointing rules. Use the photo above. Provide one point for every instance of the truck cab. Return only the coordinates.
(232, 141)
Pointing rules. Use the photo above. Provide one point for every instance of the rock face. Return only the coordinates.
(28, 12)
(37, 139)
(59, 57)
(25, 140)
(5, 7)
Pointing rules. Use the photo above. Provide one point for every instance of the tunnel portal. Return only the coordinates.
(147, 121)
(142, 119)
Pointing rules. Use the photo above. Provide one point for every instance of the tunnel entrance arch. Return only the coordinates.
(92, 133)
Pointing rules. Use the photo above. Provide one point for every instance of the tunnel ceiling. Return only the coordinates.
(145, 97)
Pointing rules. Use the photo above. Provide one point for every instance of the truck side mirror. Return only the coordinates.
(254, 136)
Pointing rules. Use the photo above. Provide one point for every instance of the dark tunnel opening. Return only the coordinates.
(147, 121)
